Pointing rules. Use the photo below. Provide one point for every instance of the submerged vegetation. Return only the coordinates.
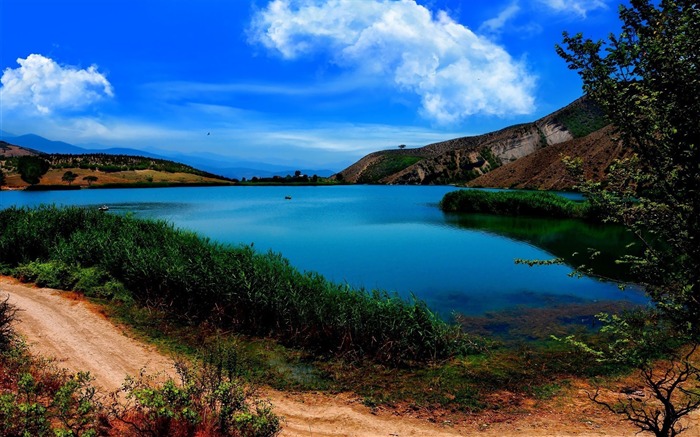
(198, 281)
(512, 203)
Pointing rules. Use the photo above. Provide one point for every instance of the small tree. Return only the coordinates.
(90, 179)
(2, 177)
(69, 177)
(402, 146)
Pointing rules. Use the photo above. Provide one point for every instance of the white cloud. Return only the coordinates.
(455, 72)
(498, 22)
(576, 7)
(42, 86)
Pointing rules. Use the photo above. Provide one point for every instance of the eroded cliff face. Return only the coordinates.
(461, 160)
(545, 170)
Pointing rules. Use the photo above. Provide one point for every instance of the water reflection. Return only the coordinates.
(574, 241)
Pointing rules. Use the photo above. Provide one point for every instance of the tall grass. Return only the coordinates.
(199, 281)
(537, 204)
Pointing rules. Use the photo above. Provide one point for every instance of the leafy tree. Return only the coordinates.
(32, 168)
(647, 81)
(69, 177)
(402, 146)
(90, 179)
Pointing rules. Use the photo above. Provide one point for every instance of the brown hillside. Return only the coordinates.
(460, 160)
(8, 150)
(105, 169)
(544, 169)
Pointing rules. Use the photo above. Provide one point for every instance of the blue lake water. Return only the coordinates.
(389, 237)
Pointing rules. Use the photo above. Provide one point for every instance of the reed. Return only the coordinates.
(514, 203)
(198, 281)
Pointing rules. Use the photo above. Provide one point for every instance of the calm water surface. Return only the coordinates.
(389, 237)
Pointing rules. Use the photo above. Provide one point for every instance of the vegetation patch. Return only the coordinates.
(512, 203)
(38, 399)
(200, 281)
(387, 165)
(583, 119)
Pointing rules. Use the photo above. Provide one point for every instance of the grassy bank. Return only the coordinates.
(514, 203)
(201, 282)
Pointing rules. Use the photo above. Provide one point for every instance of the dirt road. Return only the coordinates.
(75, 333)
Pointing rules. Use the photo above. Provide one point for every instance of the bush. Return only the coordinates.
(203, 399)
(537, 204)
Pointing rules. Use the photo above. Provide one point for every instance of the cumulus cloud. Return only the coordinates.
(576, 7)
(42, 86)
(455, 72)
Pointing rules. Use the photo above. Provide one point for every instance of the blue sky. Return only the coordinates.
(301, 82)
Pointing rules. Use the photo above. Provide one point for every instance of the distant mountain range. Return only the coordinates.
(522, 156)
(215, 164)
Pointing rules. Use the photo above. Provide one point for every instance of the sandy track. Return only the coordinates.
(81, 338)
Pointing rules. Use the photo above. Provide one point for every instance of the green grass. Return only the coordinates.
(199, 281)
(514, 203)
(583, 119)
(385, 166)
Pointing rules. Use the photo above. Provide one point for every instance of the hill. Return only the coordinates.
(545, 170)
(99, 170)
(466, 159)
(211, 163)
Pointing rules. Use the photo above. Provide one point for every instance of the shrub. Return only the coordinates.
(539, 204)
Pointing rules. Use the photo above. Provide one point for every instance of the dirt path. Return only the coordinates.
(80, 338)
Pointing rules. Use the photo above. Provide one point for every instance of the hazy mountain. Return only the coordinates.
(212, 163)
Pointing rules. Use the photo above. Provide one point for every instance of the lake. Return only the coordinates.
(389, 237)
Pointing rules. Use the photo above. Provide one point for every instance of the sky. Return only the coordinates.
(317, 83)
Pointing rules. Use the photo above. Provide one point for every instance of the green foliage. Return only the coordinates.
(197, 281)
(538, 204)
(583, 118)
(647, 81)
(202, 399)
(38, 400)
(32, 168)
(2, 177)
(7, 317)
(114, 163)
(493, 160)
(90, 179)
(387, 165)
(69, 177)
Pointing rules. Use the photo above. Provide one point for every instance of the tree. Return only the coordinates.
(2, 178)
(402, 146)
(647, 81)
(32, 168)
(69, 177)
(90, 179)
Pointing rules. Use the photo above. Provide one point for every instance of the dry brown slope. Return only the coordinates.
(82, 339)
(545, 170)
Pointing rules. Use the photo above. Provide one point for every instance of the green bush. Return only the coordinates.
(538, 204)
